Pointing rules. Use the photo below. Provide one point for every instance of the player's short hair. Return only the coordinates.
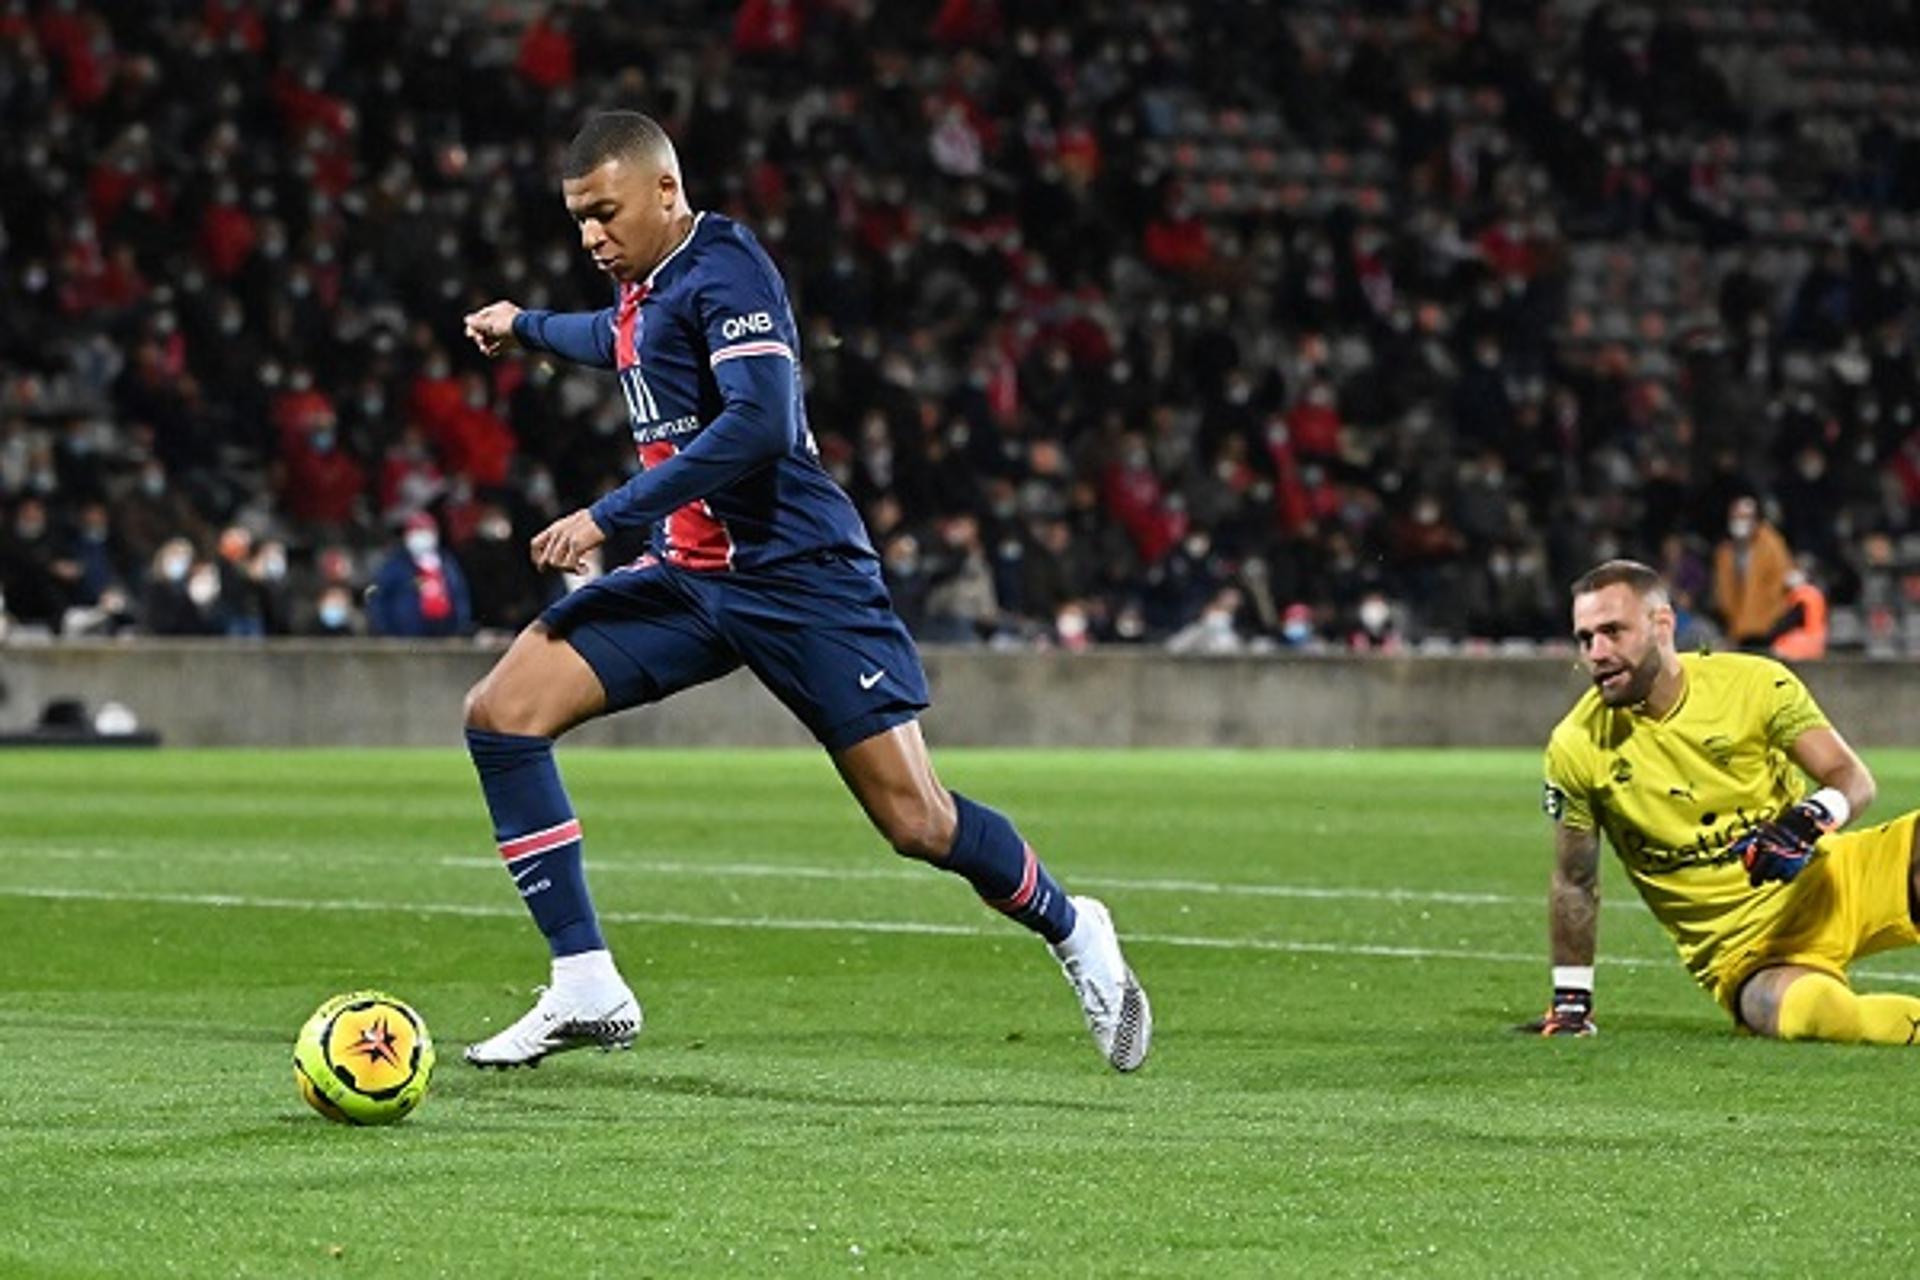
(1643, 580)
(616, 135)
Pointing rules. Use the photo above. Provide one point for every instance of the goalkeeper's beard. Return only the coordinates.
(1639, 685)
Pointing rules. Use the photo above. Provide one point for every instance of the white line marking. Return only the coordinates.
(877, 870)
(804, 924)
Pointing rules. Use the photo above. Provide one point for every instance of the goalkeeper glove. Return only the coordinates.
(1781, 849)
(1570, 1014)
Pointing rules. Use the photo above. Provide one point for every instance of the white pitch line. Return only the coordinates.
(883, 872)
(821, 925)
(1124, 884)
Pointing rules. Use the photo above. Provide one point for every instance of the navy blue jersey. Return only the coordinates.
(708, 357)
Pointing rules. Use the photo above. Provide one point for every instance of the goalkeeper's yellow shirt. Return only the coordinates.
(1672, 793)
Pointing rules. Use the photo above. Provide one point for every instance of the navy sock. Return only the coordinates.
(1003, 870)
(538, 835)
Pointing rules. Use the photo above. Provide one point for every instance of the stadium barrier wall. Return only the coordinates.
(387, 693)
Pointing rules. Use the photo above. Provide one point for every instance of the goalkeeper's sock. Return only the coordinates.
(1818, 1006)
(1886, 1018)
(1003, 869)
(538, 836)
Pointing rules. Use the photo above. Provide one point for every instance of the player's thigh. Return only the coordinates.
(824, 639)
(644, 633)
(1874, 868)
(891, 774)
(540, 686)
(1853, 902)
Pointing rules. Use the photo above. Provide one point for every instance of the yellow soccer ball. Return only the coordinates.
(363, 1058)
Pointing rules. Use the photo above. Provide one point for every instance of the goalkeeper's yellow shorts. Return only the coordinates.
(1856, 903)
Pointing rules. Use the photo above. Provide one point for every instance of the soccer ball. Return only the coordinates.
(363, 1058)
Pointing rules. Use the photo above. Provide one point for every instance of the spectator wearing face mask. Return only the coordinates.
(38, 575)
(1750, 569)
(507, 590)
(272, 591)
(335, 615)
(183, 595)
(419, 590)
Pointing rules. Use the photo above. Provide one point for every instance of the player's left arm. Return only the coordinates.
(1782, 848)
(755, 428)
(1826, 758)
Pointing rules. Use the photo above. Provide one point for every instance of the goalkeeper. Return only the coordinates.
(1693, 766)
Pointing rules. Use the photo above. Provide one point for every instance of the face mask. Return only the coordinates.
(1374, 615)
(422, 542)
(1297, 632)
(333, 615)
(174, 568)
(273, 568)
(322, 442)
(1741, 528)
(203, 588)
(153, 484)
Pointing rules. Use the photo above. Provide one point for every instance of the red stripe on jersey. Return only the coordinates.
(739, 349)
(625, 356)
(541, 841)
(696, 538)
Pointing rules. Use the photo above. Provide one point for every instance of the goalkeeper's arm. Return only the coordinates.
(1782, 848)
(1573, 918)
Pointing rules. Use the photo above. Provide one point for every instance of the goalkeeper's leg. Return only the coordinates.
(1796, 1003)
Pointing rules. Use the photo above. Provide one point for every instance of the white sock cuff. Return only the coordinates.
(587, 966)
(1577, 976)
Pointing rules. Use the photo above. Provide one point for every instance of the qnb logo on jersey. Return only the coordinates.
(737, 327)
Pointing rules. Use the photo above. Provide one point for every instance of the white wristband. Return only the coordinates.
(1835, 803)
(1577, 976)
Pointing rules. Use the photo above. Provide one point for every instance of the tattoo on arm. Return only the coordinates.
(1573, 900)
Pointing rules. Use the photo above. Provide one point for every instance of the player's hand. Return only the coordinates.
(1781, 849)
(564, 544)
(1570, 1014)
(491, 328)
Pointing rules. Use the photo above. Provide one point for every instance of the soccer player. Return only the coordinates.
(1692, 767)
(758, 559)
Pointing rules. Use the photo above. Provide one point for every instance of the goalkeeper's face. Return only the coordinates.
(1625, 641)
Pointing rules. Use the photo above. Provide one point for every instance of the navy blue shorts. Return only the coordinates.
(818, 630)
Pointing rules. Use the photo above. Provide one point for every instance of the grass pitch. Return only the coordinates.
(851, 1066)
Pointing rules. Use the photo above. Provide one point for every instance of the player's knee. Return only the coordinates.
(494, 709)
(477, 708)
(921, 828)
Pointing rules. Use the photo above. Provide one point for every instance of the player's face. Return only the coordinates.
(1623, 641)
(625, 209)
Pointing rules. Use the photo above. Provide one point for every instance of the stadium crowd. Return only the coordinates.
(1226, 326)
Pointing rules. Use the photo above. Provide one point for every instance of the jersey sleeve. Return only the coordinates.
(742, 308)
(1790, 708)
(1566, 796)
(584, 337)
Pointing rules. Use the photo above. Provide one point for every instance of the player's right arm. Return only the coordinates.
(1573, 900)
(1573, 919)
(584, 337)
